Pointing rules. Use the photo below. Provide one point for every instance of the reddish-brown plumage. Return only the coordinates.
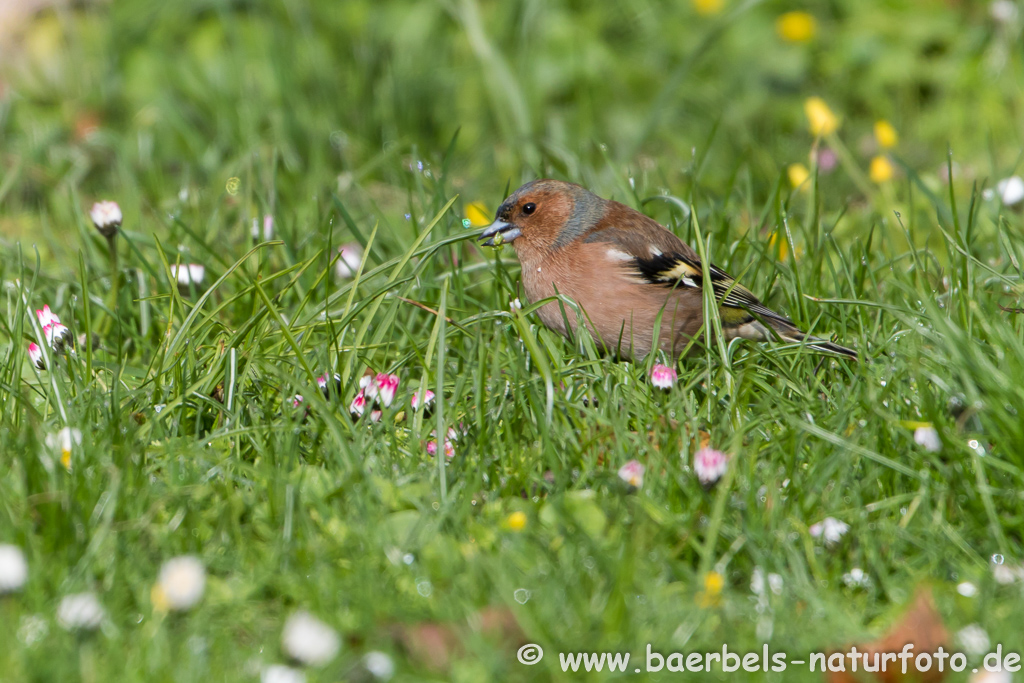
(605, 257)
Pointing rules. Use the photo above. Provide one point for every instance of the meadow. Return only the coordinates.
(324, 169)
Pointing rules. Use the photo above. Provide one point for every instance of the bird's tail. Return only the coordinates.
(817, 344)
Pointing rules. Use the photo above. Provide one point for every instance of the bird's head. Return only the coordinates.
(544, 214)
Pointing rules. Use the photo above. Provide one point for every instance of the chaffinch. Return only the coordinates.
(623, 269)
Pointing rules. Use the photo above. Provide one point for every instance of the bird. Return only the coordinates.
(623, 269)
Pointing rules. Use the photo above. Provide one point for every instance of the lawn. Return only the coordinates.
(300, 185)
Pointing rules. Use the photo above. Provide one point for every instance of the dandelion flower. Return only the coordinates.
(928, 438)
(830, 529)
(796, 27)
(708, 7)
(188, 274)
(632, 473)
(822, 121)
(308, 640)
(662, 376)
(712, 593)
(881, 170)
(81, 611)
(106, 216)
(380, 665)
(279, 673)
(709, 465)
(348, 263)
(476, 214)
(517, 521)
(798, 176)
(13, 569)
(180, 584)
(885, 134)
(35, 354)
(65, 441)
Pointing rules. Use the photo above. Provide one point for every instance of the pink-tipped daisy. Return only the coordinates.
(632, 473)
(56, 334)
(297, 401)
(709, 465)
(663, 377)
(348, 263)
(358, 405)
(322, 381)
(35, 354)
(383, 388)
(427, 401)
(449, 449)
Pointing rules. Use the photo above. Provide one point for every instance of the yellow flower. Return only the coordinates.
(822, 120)
(798, 176)
(712, 593)
(516, 521)
(476, 214)
(796, 27)
(881, 170)
(708, 7)
(885, 134)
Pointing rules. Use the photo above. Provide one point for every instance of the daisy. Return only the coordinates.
(180, 585)
(709, 465)
(928, 438)
(380, 665)
(830, 529)
(188, 274)
(13, 569)
(81, 611)
(66, 440)
(106, 216)
(35, 354)
(427, 400)
(308, 640)
(279, 673)
(632, 473)
(663, 377)
(56, 334)
(383, 388)
(347, 265)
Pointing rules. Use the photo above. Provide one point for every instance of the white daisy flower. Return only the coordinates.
(856, 578)
(928, 438)
(348, 263)
(180, 585)
(632, 473)
(188, 274)
(65, 441)
(967, 589)
(309, 640)
(106, 216)
(13, 569)
(279, 673)
(80, 611)
(973, 640)
(380, 665)
(830, 529)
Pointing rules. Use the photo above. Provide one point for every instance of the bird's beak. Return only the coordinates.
(499, 232)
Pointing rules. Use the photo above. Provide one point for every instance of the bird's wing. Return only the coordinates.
(662, 259)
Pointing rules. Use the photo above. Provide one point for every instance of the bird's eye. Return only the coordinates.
(529, 208)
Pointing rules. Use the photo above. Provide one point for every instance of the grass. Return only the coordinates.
(377, 124)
